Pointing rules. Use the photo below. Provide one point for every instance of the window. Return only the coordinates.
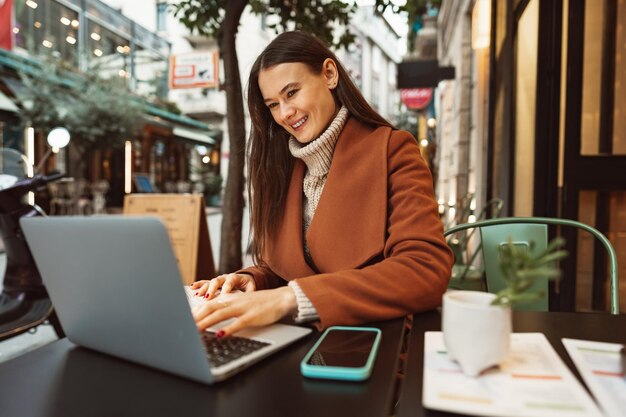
(108, 52)
(47, 28)
(150, 73)
(161, 23)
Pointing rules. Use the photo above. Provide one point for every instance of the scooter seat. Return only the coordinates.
(22, 314)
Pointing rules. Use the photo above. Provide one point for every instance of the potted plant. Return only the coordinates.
(470, 316)
(212, 188)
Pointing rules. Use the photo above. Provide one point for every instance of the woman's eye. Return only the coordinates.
(291, 93)
(272, 105)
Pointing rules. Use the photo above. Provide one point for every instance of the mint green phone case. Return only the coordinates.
(339, 372)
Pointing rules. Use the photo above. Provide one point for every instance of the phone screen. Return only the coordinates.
(344, 348)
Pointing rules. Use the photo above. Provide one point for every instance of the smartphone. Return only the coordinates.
(344, 353)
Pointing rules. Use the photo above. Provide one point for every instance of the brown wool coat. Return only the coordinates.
(376, 237)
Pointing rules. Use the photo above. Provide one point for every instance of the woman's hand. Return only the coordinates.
(225, 283)
(250, 309)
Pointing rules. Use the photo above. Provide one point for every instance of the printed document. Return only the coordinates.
(532, 381)
(600, 365)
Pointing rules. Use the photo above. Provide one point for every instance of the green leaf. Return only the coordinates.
(521, 269)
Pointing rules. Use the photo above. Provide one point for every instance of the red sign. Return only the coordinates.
(416, 98)
(6, 24)
(194, 69)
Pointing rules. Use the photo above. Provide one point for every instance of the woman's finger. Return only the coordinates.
(212, 313)
(203, 289)
(229, 283)
(200, 290)
(214, 285)
(249, 309)
(236, 325)
(198, 284)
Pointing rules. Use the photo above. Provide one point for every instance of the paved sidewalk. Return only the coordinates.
(45, 334)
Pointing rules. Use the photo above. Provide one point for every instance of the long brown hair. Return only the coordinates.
(270, 162)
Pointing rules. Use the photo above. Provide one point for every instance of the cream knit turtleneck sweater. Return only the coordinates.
(317, 155)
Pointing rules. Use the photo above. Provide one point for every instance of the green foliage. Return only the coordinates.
(415, 10)
(97, 112)
(43, 98)
(212, 184)
(105, 114)
(318, 17)
(205, 17)
(521, 268)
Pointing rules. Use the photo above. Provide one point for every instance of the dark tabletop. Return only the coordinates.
(589, 326)
(62, 379)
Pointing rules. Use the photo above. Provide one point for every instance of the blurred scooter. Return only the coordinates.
(24, 301)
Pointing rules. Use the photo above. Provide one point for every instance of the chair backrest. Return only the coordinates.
(463, 260)
(523, 230)
(493, 237)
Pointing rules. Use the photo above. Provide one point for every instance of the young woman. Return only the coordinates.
(344, 219)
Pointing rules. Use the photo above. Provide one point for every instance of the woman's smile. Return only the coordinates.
(296, 126)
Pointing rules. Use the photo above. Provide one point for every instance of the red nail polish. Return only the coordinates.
(220, 333)
(206, 296)
(196, 294)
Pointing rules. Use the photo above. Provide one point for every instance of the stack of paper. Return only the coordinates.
(531, 382)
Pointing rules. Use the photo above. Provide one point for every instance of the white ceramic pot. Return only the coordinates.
(477, 334)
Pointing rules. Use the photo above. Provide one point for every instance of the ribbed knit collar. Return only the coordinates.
(318, 154)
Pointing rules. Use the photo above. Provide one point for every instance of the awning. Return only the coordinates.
(31, 66)
(175, 118)
(194, 134)
(6, 104)
(422, 73)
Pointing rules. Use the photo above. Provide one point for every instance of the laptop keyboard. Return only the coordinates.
(221, 351)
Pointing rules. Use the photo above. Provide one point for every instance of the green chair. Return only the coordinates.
(465, 275)
(522, 230)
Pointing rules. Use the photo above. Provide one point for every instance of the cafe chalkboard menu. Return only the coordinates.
(185, 219)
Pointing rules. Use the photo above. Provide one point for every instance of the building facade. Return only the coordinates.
(534, 118)
(561, 121)
(89, 36)
(372, 60)
(462, 108)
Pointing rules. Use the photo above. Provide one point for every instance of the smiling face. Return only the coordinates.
(300, 101)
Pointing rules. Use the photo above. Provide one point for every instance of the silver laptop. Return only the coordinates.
(116, 288)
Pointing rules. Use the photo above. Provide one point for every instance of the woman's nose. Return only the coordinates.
(286, 112)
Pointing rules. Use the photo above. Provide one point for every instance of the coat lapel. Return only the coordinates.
(285, 253)
(349, 225)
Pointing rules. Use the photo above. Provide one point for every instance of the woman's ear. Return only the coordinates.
(329, 69)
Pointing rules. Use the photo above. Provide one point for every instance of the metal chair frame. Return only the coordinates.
(614, 282)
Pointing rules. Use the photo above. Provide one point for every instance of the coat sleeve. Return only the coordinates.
(413, 271)
(264, 277)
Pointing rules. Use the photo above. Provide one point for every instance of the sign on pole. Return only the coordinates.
(194, 70)
(6, 24)
(416, 98)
